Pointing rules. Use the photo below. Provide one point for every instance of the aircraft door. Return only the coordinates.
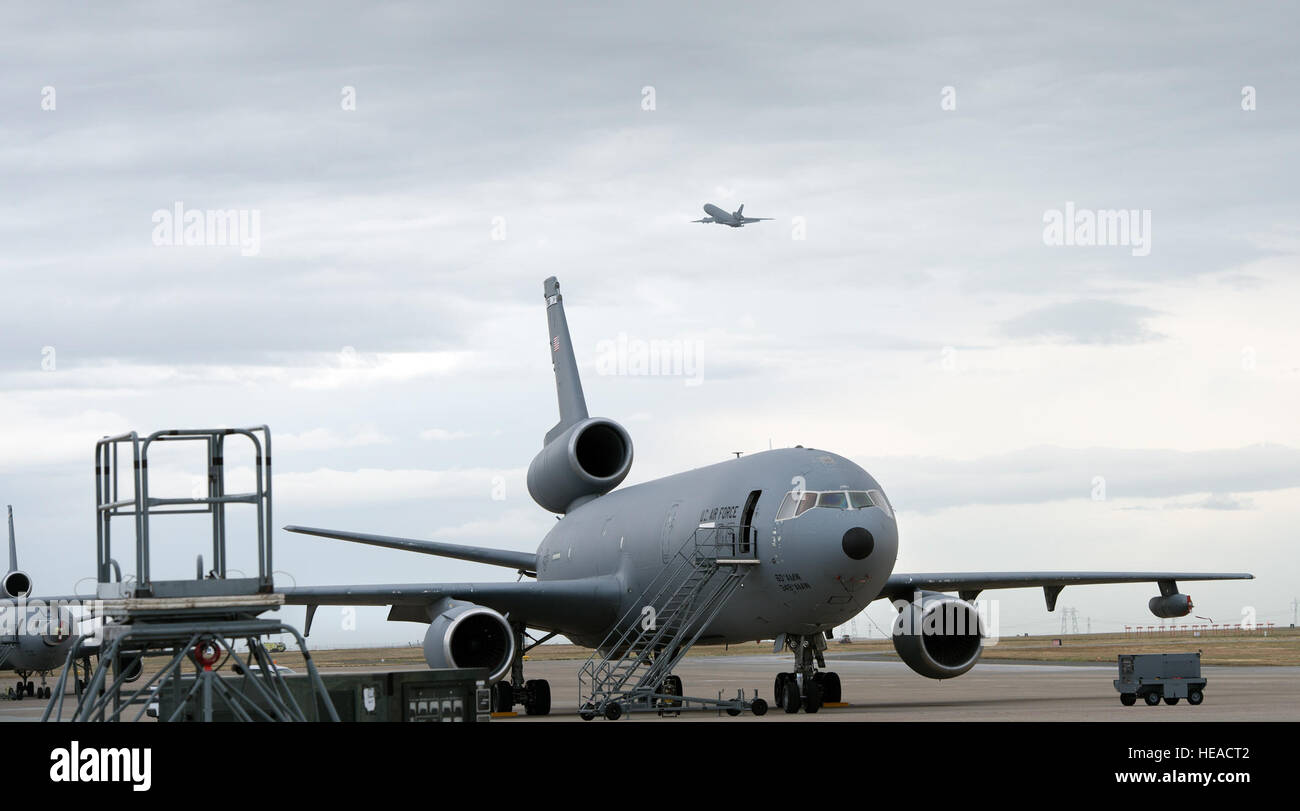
(666, 538)
(747, 543)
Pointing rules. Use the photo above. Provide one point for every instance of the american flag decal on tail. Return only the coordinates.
(555, 344)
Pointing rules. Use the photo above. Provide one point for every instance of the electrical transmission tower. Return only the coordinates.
(1069, 620)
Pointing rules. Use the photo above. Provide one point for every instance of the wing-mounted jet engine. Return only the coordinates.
(464, 634)
(583, 457)
(939, 636)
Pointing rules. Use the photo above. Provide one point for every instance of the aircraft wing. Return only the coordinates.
(547, 604)
(969, 585)
(757, 219)
(706, 219)
(525, 562)
(46, 599)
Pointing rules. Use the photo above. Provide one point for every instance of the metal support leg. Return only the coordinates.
(517, 664)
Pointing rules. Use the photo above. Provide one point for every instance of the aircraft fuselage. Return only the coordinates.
(718, 214)
(805, 580)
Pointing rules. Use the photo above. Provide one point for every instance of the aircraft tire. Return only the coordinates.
(812, 701)
(778, 690)
(672, 685)
(503, 697)
(538, 692)
(830, 684)
(790, 697)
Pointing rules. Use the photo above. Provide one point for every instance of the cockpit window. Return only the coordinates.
(796, 503)
(878, 499)
(786, 510)
(837, 500)
(806, 503)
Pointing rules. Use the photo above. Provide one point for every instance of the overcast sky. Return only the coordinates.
(416, 170)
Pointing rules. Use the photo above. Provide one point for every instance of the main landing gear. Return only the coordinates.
(534, 694)
(807, 687)
(25, 688)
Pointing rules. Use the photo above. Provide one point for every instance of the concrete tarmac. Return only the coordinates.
(879, 688)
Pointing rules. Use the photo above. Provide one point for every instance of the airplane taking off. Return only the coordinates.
(813, 532)
(735, 219)
(32, 645)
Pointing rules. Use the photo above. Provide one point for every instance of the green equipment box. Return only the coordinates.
(455, 695)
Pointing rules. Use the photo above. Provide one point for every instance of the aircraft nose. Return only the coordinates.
(871, 537)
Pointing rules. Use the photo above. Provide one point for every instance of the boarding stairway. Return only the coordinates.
(629, 670)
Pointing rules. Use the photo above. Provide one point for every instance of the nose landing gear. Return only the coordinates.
(806, 688)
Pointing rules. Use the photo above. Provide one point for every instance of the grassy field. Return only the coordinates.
(1281, 646)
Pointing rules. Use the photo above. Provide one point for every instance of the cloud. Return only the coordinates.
(328, 486)
(924, 233)
(442, 435)
(1086, 321)
(1215, 501)
(319, 439)
(346, 368)
(1046, 474)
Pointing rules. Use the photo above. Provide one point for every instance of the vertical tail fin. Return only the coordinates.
(13, 545)
(740, 212)
(568, 386)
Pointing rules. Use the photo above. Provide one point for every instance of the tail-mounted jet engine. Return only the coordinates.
(1170, 606)
(589, 459)
(469, 635)
(16, 584)
(940, 636)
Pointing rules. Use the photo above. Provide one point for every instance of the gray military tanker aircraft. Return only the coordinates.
(818, 529)
(29, 642)
(735, 219)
